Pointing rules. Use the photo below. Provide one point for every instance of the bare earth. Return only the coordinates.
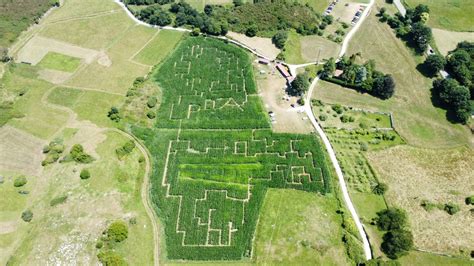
(54, 76)
(261, 45)
(440, 176)
(272, 90)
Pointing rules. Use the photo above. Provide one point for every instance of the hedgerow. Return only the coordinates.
(213, 166)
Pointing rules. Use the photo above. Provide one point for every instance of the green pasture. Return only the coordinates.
(425, 258)
(212, 167)
(415, 117)
(57, 61)
(161, 45)
(455, 15)
(74, 9)
(88, 105)
(299, 228)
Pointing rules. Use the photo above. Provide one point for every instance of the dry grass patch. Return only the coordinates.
(77, 9)
(314, 48)
(20, 151)
(440, 176)
(261, 45)
(447, 40)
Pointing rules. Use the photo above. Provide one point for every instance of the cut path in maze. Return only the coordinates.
(215, 154)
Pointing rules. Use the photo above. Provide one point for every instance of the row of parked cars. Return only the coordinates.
(357, 15)
(330, 7)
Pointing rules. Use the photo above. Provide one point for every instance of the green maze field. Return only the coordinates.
(214, 154)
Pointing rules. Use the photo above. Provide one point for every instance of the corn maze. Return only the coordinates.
(214, 154)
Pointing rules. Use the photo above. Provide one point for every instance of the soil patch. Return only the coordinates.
(54, 76)
(261, 45)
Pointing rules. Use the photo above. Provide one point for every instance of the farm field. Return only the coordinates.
(415, 117)
(407, 169)
(447, 41)
(228, 162)
(304, 49)
(297, 227)
(449, 15)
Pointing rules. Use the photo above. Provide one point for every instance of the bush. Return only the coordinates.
(470, 200)
(85, 174)
(397, 243)
(451, 208)
(323, 117)
(77, 154)
(347, 119)
(117, 231)
(111, 258)
(58, 200)
(251, 31)
(27, 216)
(152, 101)
(337, 108)
(279, 39)
(20, 181)
(114, 114)
(380, 189)
(151, 114)
(391, 219)
(125, 149)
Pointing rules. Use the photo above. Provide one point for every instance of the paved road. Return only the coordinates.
(401, 8)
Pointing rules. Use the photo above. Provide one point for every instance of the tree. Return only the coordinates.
(458, 65)
(152, 101)
(397, 243)
(27, 216)
(451, 208)
(421, 36)
(77, 154)
(114, 114)
(111, 258)
(118, 231)
(328, 68)
(251, 30)
(455, 96)
(85, 174)
(434, 63)
(279, 39)
(380, 189)
(391, 219)
(419, 12)
(384, 87)
(299, 85)
(470, 200)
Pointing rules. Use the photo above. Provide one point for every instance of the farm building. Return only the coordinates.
(283, 70)
(263, 61)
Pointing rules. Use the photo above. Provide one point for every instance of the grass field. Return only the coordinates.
(455, 15)
(423, 258)
(299, 228)
(59, 62)
(318, 5)
(439, 176)
(304, 49)
(447, 41)
(212, 169)
(158, 48)
(415, 117)
(16, 17)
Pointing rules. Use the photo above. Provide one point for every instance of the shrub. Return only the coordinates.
(27, 216)
(58, 200)
(337, 108)
(380, 189)
(125, 149)
(347, 119)
(111, 258)
(451, 208)
(152, 101)
(434, 63)
(99, 244)
(397, 243)
(85, 174)
(151, 114)
(364, 146)
(20, 181)
(77, 154)
(391, 219)
(279, 39)
(114, 114)
(470, 200)
(117, 231)
(323, 117)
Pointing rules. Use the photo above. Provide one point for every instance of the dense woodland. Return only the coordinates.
(261, 18)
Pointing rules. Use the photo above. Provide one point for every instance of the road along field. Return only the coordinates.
(215, 156)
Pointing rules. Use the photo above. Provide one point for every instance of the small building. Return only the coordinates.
(338, 73)
(284, 72)
(263, 61)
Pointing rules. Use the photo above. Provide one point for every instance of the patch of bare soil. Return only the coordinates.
(104, 60)
(20, 152)
(272, 90)
(38, 47)
(440, 176)
(8, 227)
(54, 76)
(261, 45)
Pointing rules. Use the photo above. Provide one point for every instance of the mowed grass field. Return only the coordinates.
(60, 62)
(305, 49)
(415, 117)
(455, 15)
(447, 41)
(299, 228)
(439, 176)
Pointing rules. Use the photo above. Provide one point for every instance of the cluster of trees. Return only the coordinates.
(360, 77)
(53, 151)
(299, 85)
(397, 241)
(280, 38)
(147, 2)
(117, 232)
(411, 27)
(455, 97)
(248, 18)
(126, 149)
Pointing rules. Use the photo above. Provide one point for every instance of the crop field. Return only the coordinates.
(455, 15)
(215, 155)
(59, 62)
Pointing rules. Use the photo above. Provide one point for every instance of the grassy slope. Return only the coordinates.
(161, 45)
(290, 217)
(16, 16)
(303, 49)
(455, 15)
(415, 117)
